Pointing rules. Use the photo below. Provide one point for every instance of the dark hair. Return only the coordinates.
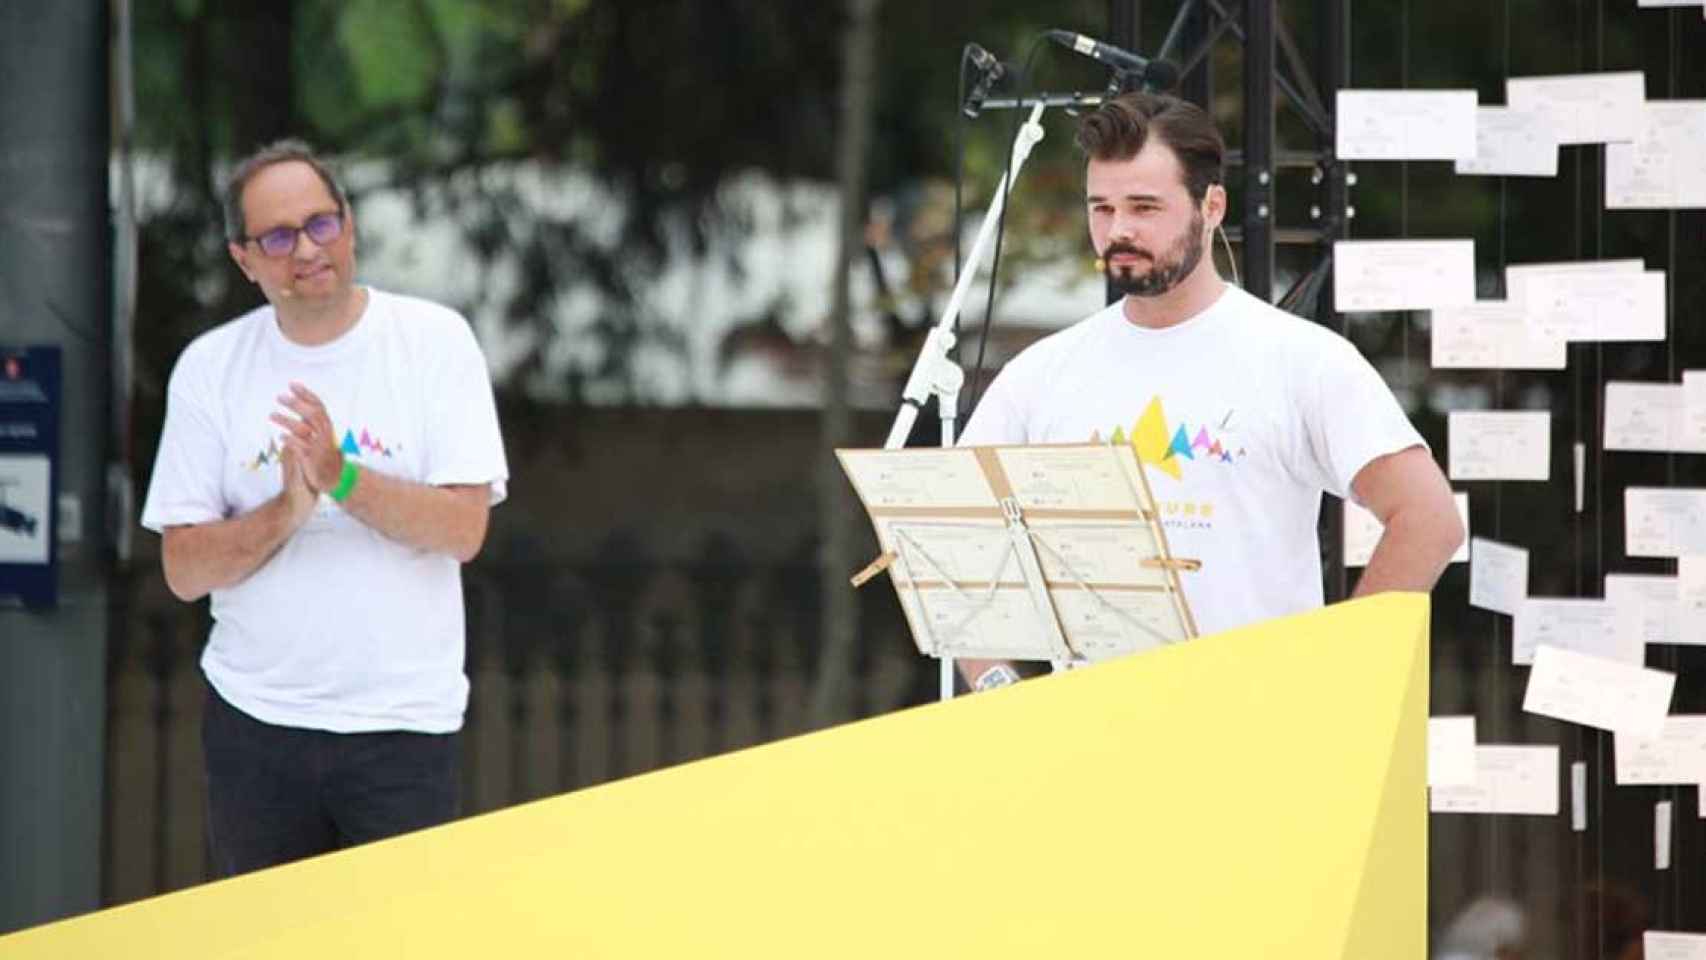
(1121, 126)
(281, 151)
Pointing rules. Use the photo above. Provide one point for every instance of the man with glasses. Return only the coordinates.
(327, 464)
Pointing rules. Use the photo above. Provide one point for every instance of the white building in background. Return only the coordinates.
(781, 265)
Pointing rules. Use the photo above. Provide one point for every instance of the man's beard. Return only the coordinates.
(1165, 273)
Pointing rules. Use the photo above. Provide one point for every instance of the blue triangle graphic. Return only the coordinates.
(349, 446)
(1181, 444)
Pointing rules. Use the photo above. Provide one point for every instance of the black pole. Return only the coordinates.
(1259, 147)
(1198, 85)
(1334, 73)
(56, 280)
(1335, 76)
(1123, 18)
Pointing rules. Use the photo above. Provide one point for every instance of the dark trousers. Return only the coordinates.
(277, 794)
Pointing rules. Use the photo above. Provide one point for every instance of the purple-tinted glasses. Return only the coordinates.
(322, 228)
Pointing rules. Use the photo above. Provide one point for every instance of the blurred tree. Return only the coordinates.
(659, 102)
(838, 514)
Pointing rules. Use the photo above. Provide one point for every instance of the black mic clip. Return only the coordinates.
(990, 70)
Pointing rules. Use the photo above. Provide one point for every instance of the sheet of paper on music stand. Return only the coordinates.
(1491, 335)
(1583, 107)
(1509, 778)
(963, 549)
(1664, 521)
(1648, 417)
(987, 609)
(1499, 444)
(1511, 143)
(1003, 622)
(1648, 603)
(1521, 277)
(1596, 692)
(1661, 169)
(1670, 945)
(1599, 307)
(1405, 124)
(1095, 551)
(1363, 531)
(1451, 751)
(1584, 625)
(942, 479)
(1101, 625)
(1676, 755)
(1373, 275)
(1083, 478)
(1498, 575)
(959, 568)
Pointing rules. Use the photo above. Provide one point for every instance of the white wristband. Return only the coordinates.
(1000, 675)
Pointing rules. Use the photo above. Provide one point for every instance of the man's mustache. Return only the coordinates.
(1115, 249)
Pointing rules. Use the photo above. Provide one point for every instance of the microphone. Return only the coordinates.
(989, 70)
(1158, 74)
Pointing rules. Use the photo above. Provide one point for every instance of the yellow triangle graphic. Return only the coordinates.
(1150, 439)
(754, 853)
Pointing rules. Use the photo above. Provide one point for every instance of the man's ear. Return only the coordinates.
(1214, 206)
(240, 257)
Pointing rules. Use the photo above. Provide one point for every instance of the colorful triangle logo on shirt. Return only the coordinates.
(350, 447)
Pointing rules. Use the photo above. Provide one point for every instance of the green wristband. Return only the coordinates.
(346, 482)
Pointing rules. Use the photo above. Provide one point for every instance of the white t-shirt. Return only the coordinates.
(1242, 415)
(343, 629)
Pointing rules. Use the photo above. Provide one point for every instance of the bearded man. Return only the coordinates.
(1242, 414)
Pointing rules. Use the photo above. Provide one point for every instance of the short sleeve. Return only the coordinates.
(189, 466)
(466, 446)
(1351, 418)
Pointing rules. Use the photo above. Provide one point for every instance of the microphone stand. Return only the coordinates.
(934, 374)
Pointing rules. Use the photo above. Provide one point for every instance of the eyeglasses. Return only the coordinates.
(322, 228)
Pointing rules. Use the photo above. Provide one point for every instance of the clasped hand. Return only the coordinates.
(310, 441)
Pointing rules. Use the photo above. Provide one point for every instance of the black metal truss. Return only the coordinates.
(1273, 68)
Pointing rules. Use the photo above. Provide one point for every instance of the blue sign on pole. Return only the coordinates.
(29, 474)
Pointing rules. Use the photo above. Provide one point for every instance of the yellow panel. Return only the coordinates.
(1255, 794)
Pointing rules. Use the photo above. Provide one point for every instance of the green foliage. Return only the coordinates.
(392, 50)
(661, 102)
